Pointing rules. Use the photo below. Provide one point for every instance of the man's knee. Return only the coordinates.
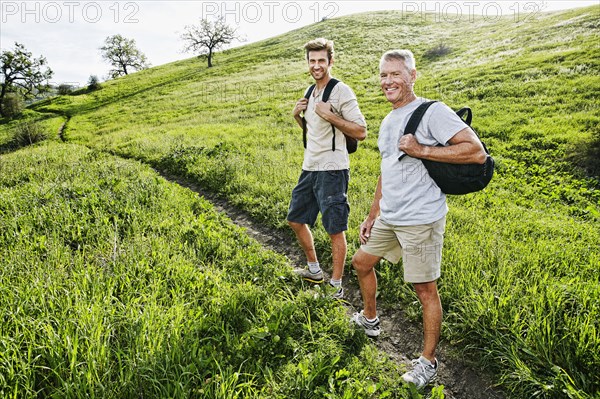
(362, 262)
(338, 238)
(427, 292)
(295, 225)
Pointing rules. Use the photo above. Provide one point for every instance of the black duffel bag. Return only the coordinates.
(454, 178)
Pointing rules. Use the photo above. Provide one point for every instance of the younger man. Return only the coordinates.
(323, 183)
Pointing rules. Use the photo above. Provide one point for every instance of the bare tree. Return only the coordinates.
(208, 37)
(122, 54)
(22, 74)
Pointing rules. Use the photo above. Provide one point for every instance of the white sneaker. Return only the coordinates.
(423, 372)
(316, 278)
(371, 328)
(338, 292)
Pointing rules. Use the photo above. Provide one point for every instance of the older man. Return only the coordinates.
(408, 214)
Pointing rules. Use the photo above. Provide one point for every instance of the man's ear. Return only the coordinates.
(413, 75)
(331, 61)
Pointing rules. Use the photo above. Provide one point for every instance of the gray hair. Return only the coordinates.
(400, 55)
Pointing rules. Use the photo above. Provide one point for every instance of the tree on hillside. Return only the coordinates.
(122, 54)
(22, 74)
(208, 37)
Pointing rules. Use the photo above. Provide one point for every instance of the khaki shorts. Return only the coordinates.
(420, 248)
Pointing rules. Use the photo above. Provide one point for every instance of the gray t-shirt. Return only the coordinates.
(318, 155)
(409, 195)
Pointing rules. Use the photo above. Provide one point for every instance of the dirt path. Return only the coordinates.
(400, 339)
(61, 130)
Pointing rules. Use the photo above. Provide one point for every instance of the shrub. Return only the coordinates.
(64, 89)
(592, 158)
(12, 105)
(28, 132)
(93, 83)
(595, 147)
(437, 51)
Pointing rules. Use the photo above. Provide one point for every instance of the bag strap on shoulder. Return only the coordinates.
(309, 91)
(415, 120)
(417, 115)
(304, 128)
(326, 93)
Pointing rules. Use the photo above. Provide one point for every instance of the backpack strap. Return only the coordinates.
(415, 120)
(304, 128)
(309, 91)
(326, 93)
(330, 85)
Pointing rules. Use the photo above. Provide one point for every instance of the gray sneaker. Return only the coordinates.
(338, 293)
(371, 328)
(422, 373)
(316, 278)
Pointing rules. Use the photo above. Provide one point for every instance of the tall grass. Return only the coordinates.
(117, 284)
(521, 259)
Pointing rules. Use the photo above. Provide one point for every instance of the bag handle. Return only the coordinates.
(468, 112)
(469, 117)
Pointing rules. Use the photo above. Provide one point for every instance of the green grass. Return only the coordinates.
(118, 284)
(521, 259)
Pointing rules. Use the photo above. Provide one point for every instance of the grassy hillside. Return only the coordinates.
(118, 284)
(521, 260)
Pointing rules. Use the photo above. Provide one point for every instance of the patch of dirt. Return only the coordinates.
(401, 338)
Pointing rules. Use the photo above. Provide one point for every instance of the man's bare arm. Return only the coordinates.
(464, 148)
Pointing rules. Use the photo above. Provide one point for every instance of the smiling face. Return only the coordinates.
(319, 64)
(397, 82)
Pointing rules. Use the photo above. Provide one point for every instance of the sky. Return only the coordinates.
(69, 33)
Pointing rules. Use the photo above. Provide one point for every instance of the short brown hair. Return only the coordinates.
(318, 45)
